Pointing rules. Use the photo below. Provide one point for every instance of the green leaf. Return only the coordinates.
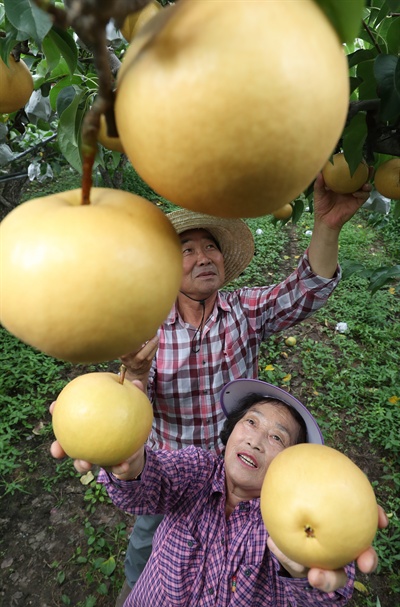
(102, 589)
(298, 208)
(350, 267)
(26, 17)
(367, 89)
(52, 53)
(361, 55)
(393, 37)
(108, 567)
(346, 17)
(69, 129)
(396, 213)
(387, 75)
(66, 45)
(8, 42)
(354, 136)
(60, 86)
(394, 5)
(60, 577)
(382, 277)
(377, 16)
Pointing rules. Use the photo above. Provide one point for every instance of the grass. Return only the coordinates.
(351, 382)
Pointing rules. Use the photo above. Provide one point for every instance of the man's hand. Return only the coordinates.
(322, 579)
(138, 363)
(334, 210)
(331, 212)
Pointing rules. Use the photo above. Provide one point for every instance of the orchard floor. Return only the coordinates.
(42, 531)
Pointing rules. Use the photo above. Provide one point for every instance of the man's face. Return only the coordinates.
(263, 432)
(203, 264)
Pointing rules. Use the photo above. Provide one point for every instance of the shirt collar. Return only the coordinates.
(220, 302)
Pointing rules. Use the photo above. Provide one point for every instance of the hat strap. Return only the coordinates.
(199, 330)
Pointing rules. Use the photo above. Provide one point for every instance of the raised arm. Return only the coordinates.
(331, 212)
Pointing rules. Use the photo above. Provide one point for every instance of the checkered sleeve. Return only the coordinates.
(278, 307)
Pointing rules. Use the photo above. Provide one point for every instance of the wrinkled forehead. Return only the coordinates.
(197, 233)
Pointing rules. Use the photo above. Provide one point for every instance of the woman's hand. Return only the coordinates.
(328, 580)
(126, 470)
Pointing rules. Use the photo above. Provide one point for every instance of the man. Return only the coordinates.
(212, 337)
(212, 546)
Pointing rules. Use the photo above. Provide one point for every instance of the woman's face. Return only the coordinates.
(263, 432)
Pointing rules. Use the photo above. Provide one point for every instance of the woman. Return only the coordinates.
(212, 547)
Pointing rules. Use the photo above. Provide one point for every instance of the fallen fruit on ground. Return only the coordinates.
(16, 85)
(98, 419)
(318, 506)
(338, 178)
(284, 212)
(291, 341)
(387, 179)
(111, 143)
(232, 149)
(87, 283)
(135, 21)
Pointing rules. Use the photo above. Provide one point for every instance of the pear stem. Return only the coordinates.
(122, 371)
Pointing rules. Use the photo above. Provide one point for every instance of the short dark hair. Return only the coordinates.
(252, 399)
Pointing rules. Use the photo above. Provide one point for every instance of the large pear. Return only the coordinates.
(87, 283)
(318, 506)
(102, 420)
(232, 108)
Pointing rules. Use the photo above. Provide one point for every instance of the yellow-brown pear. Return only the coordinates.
(220, 105)
(87, 282)
(318, 506)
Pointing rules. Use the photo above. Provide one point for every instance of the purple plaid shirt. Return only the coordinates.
(184, 385)
(199, 557)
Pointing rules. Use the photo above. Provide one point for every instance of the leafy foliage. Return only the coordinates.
(66, 81)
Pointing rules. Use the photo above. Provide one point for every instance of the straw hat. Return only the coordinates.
(233, 236)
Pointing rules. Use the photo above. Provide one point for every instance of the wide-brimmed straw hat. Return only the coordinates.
(233, 236)
(233, 392)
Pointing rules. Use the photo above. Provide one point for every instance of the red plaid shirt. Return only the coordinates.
(199, 557)
(184, 385)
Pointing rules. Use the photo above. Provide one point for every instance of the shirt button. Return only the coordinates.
(247, 572)
(222, 541)
(204, 391)
(190, 543)
(211, 591)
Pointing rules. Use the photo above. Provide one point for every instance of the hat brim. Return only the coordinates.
(237, 389)
(233, 236)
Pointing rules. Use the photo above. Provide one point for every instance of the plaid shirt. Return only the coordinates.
(199, 557)
(184, 385)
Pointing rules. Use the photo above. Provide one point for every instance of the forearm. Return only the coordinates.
(323, 250)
